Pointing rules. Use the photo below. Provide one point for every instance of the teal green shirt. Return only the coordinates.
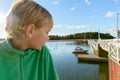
(29, 65)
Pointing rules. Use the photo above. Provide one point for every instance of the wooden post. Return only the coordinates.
(101, 52)
(114, 70)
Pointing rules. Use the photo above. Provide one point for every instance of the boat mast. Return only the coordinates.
(99, 34)
(117, 27)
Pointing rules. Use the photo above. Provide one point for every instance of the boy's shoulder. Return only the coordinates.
(44, 47)
(45, 50)
(2, 42)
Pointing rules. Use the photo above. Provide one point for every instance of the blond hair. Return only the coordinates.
(25, 12)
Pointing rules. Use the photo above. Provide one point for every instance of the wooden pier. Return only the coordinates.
(112, 46)
(92, 58)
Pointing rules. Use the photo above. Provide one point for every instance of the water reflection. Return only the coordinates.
(69, 68)
(103, 72)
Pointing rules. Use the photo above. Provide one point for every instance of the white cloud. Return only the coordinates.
(58, 26)
(2, 25)
(2, 16)
(117, 2)
(87, 2)
(65, 29)
(59, 33)
(72, 9)
(71, 26)
(110, 14)
(55, 2)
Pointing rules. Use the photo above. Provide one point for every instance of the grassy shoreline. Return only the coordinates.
(68, 40)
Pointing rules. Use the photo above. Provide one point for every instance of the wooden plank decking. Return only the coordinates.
(91, 58)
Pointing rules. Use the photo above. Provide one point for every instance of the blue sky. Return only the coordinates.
(75, 16)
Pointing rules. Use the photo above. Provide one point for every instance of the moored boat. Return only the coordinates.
(79, 50)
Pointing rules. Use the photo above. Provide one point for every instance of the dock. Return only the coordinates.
(91, 58)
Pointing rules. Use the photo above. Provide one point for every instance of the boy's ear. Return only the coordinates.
(29, 30)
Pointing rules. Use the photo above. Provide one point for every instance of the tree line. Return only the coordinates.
(86, 35)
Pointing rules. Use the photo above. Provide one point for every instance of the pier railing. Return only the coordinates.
(93, 45)
(111, 45)
(104, 44)
(114, 51)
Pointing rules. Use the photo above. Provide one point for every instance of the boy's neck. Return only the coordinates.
(18, 45)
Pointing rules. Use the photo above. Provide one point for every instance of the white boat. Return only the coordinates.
(79, 50)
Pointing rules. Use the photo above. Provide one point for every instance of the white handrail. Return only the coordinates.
(110, 45)
(93, 45)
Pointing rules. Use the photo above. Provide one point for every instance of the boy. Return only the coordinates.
(23, 55)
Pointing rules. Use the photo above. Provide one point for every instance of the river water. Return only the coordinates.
(68, 66)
